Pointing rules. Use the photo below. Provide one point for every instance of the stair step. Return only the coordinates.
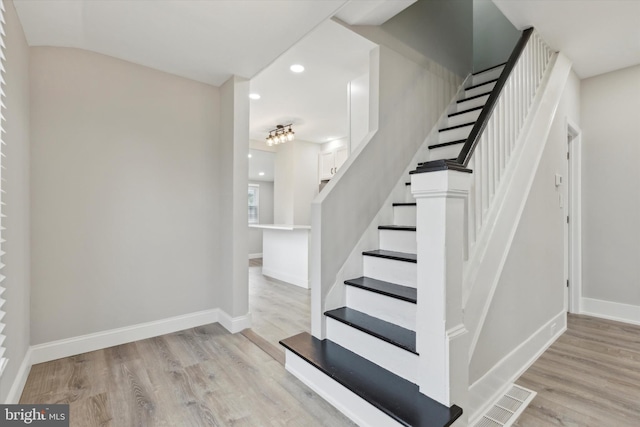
(386, 331)
(487, 74)
(391, 394)
(405, 204)
(398, 238)
(473, 102)
(480, 88)
(455, 133)
(446, 150)
(397, 227)
(445, 144)
(389, 289)
(398, 256)
(404, 213)
(470, 115)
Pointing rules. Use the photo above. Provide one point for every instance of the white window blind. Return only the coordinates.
(3, 359)
(254, 204)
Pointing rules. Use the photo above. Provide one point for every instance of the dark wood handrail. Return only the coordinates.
(483, 119)
(461, 162)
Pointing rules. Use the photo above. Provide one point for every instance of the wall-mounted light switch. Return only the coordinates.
(558, 180)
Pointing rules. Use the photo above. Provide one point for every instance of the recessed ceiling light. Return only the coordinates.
(297, 68)
(249, 155)
(254, 96)
(261, 173)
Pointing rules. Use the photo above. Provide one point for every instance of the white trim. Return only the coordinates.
(353, 406)
(611, 310)
(495, 383)
(293, 280)
(234, 324)
(15, 392)
(91, 342)
(255, 256)
(575, 215)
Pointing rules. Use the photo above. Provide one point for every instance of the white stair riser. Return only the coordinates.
(408, 197)
(461, 119)
(398, 241)
(472, 103)
(390, 270)
(404, 215)
(448, 152)
(479, 89)
(392, 310)
(454, 134)
(353, 406)
(487, 76)
(401, 362)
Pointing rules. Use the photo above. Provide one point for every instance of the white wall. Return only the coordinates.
(16, 199)
(125, 194)
(494, 36)
(440, 30)
(611, 201)
(296, 182)
(234, 178)
(358, 93)
(530, 291)
(265, 215)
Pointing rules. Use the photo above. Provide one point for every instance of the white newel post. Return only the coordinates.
(442, 339)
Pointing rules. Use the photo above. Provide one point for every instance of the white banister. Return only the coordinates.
(499, 140)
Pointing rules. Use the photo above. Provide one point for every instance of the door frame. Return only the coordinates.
(574, 195)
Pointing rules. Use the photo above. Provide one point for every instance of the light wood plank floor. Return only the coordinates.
(197, 377)
(590, 377)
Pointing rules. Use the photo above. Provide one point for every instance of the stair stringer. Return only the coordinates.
(485, 264)
(352, 267)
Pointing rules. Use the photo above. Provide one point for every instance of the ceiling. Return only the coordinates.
(207, 41)
(597, 35)
(315, 101)
(261, 162)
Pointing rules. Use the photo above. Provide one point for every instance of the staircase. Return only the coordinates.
(369, 360)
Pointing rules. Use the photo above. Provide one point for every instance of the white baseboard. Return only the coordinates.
(21, 379)
(255, 256)
(91, 342)
(294, 280)
(494, 383)
(234, 324)
(610, 310)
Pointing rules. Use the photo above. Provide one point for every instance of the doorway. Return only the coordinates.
(573, 234)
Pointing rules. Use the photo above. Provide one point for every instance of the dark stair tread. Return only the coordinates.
(481, 84)
(404, 204)
(446, 144)
(386, 331)
(466, 111)
(398, 256)
(395, 396)
(457, 127)
(488, 69)
(407, 183)
(474, 97)
(404, 293)
(397, 227)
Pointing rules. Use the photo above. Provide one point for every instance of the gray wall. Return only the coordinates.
(531, 288)
(493, 35)
(16, 198)
(265, 215)
(125, 194)
(610, 196)
(440, 30)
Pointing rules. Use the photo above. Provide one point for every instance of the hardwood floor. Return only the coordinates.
(198, 377)
(590, 377)
(205, 376)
